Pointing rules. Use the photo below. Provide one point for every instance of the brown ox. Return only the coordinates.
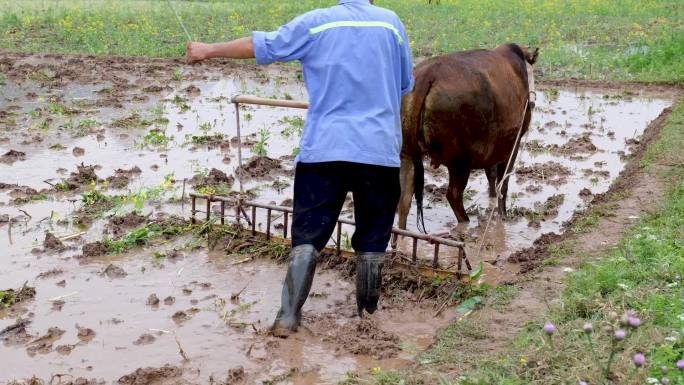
(465, 112)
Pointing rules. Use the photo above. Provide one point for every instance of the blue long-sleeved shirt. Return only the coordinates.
(357, 65)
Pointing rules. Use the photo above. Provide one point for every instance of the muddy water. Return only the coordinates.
(214, 336)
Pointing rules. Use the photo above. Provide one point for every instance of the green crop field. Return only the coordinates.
(618, 40)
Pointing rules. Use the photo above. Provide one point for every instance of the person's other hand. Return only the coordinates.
(196, 52)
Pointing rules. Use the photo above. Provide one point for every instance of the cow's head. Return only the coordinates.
(530, 54)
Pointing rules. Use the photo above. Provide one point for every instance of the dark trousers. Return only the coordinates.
(319, 193)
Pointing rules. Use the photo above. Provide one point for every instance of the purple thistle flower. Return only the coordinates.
(639, 360)
(588, 328)
(549, 328)
(620, 335)
(634, 322)
(680, 364)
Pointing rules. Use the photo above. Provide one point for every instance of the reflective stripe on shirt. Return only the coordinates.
(357, 24)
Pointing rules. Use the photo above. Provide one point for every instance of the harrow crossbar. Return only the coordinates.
(240, 213)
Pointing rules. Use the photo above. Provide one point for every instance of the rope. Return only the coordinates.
(499, 185)
(187, 34)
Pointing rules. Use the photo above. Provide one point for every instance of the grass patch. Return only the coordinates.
(622, 39)
(590, 220)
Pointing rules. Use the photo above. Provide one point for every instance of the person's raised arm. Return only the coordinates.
(237, 49)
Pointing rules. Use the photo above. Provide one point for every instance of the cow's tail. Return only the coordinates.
(420, 93)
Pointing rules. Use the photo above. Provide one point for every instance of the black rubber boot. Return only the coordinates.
(368, 281)
(295, 289)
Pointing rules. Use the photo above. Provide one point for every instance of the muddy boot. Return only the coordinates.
(368, 281)
(295, 289)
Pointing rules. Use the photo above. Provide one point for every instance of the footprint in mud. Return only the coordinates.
(360, 336)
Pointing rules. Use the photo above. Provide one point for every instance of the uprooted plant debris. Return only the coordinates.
(11, 297)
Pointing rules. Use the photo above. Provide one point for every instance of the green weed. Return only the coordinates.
(261, 147)
(295, 127)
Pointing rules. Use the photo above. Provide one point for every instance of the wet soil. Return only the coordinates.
(180, 127)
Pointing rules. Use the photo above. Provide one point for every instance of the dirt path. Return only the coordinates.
(493, 329)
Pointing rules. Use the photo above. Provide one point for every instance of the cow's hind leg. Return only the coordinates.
(491, 178)
(406, 178)
(458, 180)
(501, 172)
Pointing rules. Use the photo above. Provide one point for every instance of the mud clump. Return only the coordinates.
(149, 375)
(235, 376)
(94, 249)
(85, 334)
(145, 339)
(192, 90)
(122, 178)
(181, 316)
(51, 242)
(65, 349)
(152, 300)
(579, 145)
(552, 173)
(84, 175)
(259, 167)
(585, 193)
(436, 193)
(12, 156)
(113, 272)
(43, 344)
(215, 178)
(120, 223)
(360, 336)
(530, 258)
(16, 334)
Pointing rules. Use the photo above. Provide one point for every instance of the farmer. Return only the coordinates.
(357, 65)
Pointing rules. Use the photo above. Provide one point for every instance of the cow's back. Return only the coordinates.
(473, 108)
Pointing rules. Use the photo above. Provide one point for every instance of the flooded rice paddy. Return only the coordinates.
(154, 131)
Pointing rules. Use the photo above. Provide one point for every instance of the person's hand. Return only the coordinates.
(196, 52)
